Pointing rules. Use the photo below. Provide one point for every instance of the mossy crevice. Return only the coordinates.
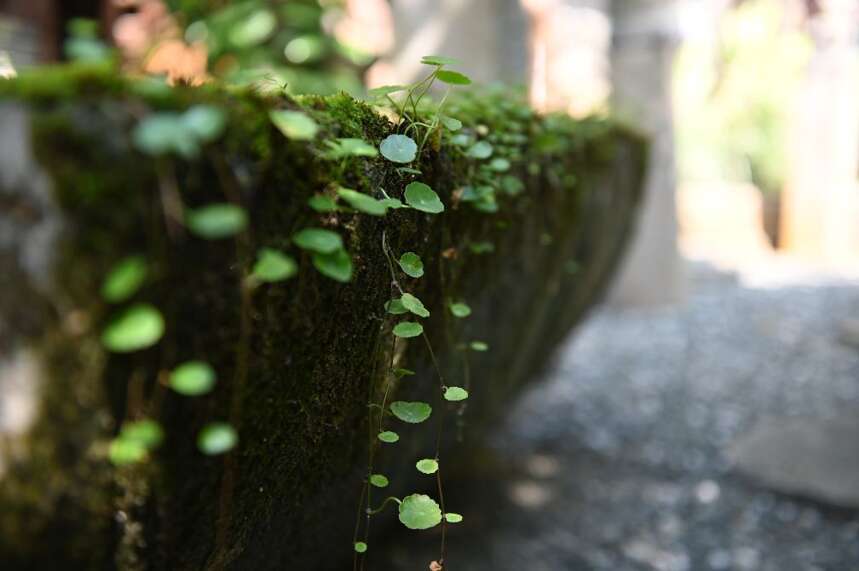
(314, 347)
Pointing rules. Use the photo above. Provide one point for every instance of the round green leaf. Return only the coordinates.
(350, 147)
(452, 77)
(136, 328)
(411, 264)
(455, 394)
(322, 203)
(385, 90)
(254, 29)
(419, 511)
(318, 240)
(163, 133)
(205, 122)
(451, 517)
(408, 329)
(460, 309)
(411, 412)
(388, 436)
(123, 452)
(274, 266)
(336, 265)
(414, 305)
(480, 150)
(124, 279)
(395, 307)
(379, 481)
(399, 148)
(479, 346)
(217, 438)
(363, 203)
(499, 164)
(427, 466)
(451, 123)
(294, 124)
(146, 432)
(193, 378)
(219, 220)
(360, 547)
(439, 60)
(421, 197)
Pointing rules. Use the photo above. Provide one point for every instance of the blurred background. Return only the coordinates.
(704, 417)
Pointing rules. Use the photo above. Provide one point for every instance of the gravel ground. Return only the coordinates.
(617, 461)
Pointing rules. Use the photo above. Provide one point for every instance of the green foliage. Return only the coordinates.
(411, 264)
(337, 265)
(294, 124)
(408, 329)
(193, 378)
(138, 327)
(217, 221)
(379, 481)
(388, 436)
(455, 394)
(350, 147)
(217, 438)
(318, 240)
(452, 77)
(439, 60)
(411, 412)
(421, 197)
(480, 150)
(134, 442)
(460, 309)
(363, 203)
(322, 203)
(124, 279)
(399, 148)
(427, 466)
(273, 266)
(180, 133)
(414, 305)
(395, 307)
(479, 346)
(419, 511)
(360, 547)
(451, 517)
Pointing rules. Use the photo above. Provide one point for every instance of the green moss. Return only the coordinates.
(295, 361)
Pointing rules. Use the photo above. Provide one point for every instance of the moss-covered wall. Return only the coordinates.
(295, 360)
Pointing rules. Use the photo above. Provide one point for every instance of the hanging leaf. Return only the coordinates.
(392, 203)
(138, 327)
(451, 517)
(350, 147)
(419, 511)
(388, 436)
(379, 481)
(206, 122)
(193, 378)
(217, 438)
(414, 305)
(479, 346)
(499, 165)
(400, 373)
(460, 309)
(395, 307)
(163, 133)
(253, 29)
(273, 266)
(360, 547)
(386, 90)
(124, 279)
(318, 240)
(451, 124)
(336, 265)
(399, 148)
(411, 264)
(123, 452)
(408, 329)
(480, 150)
(439, 60)
(455, 394)
(427, 466)
(421, 197)
(363, 203)
(452, 77)
(146, 432)
(294, 124)
(411, 412)
(215, 221)
(322, 203)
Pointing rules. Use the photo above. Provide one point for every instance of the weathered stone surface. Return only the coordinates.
(812, 457)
